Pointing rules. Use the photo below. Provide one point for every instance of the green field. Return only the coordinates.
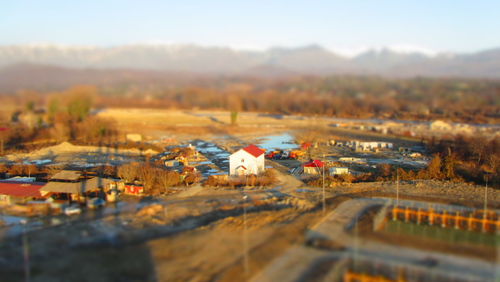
(450, 235)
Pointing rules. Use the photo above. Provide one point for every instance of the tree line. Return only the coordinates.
(461, 100)
(63, 116)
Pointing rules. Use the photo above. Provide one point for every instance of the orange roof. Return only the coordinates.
(254, 150)
(21, 189)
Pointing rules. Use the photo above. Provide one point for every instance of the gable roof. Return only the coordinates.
(315, 163)
(84, 186)
(20, 189)
(254, 150)
(67, 175)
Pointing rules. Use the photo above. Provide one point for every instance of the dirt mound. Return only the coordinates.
(150, 152)
(301, 204)
(150, 210)
(66, 147)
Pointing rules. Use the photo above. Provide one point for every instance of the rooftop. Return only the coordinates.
(21, 189)
(81, 187)
(315, 163)
(254, 150)
(67, 175)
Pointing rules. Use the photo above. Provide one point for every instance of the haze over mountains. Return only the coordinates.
(193, 59)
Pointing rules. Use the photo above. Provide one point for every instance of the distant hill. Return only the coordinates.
(24, 65)
(48, 78)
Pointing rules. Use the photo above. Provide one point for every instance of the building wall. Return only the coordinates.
(134, 190)
(134, 137)
(312, 170)
(339, 170)
(242, 158)
(5, 200)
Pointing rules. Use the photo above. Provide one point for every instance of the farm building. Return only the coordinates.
(172, 163)
(77, 189)
(352, 160)
(132, 189)
(67, 175)
(313, 167)
(440, 125)
(371, 146)
(12, 192)
(134, 137)
(20, 179)
(247, 161)
(339, 170)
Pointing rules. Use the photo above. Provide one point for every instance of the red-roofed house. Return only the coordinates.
(305, 145)
(246, 161)
(14, 191)
(313, 167)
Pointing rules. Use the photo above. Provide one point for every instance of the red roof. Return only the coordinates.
(21, 189)
(305, 145)
(254, 150)
(189, 169)
(315, 163)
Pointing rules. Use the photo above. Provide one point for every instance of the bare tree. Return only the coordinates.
(167, 179)
(148, 177)
(129, 172)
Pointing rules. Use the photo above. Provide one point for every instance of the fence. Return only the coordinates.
(486, 221)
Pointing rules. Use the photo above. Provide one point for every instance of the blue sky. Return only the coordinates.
(441, 25)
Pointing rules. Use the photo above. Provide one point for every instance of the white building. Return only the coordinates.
(440, 125)
(371, 146)
(134, 137)
(352, 160)
(246, 161)
(339, 170)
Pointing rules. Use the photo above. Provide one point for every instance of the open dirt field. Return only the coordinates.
(184, 124)
(155, 124)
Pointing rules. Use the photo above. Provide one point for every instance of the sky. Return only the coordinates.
(350, 25)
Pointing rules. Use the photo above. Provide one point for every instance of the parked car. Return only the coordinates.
(95, 203)
(71, 210)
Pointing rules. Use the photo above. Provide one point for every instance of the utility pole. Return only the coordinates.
(485, 197)
(26, 255)
(245, 237)
(324, 196)
(2, 136)
(397, 186)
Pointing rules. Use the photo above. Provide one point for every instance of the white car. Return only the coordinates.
(71, 210)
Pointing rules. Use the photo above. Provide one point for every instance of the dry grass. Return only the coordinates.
(157, 123)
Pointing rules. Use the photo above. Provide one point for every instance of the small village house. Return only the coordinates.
(132, 189)
(247, 161)
(439, 125)
(352, 160)
(68, 184)
(13, 192)
(339, 170)
(172, 163)
(314, 167)
(134, 137)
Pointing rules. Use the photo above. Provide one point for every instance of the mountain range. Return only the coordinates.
(194, 59)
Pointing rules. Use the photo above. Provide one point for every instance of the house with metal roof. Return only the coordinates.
(12, 192)
(247, 161)
(313, 167)
(67, 175)
(75, 190)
